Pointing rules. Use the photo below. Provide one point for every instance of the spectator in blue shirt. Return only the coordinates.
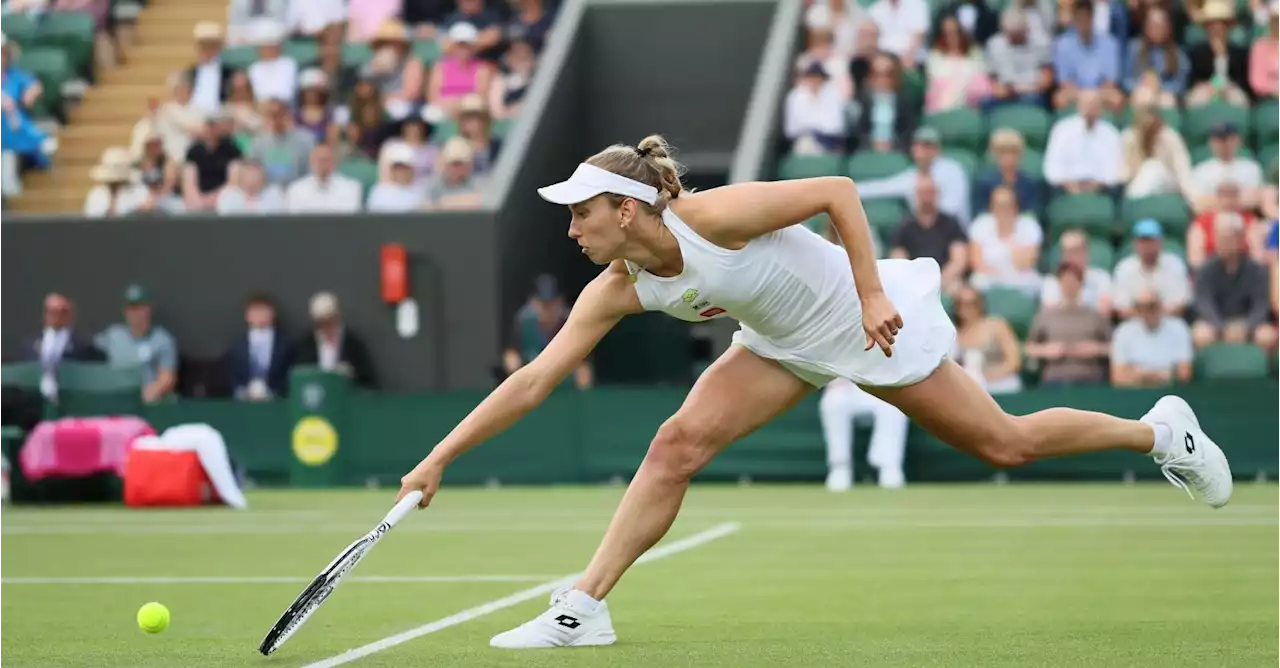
(1156, 69)
(20, 135)
(1006, 148)
(1084, 59)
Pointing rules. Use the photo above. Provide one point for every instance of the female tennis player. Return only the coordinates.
(810, 311)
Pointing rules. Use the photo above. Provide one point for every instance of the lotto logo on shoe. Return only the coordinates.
(568, 622)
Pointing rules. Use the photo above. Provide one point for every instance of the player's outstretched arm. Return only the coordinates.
(735, 214)
(604, 302)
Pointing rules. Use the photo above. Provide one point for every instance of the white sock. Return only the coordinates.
(582, 601)
(1163, 440)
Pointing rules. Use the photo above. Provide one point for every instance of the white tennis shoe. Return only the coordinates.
(1194, 462)
(565, 624)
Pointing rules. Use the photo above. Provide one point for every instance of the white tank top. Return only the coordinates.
(791, 286)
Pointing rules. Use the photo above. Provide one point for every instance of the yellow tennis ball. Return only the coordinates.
(153, 617)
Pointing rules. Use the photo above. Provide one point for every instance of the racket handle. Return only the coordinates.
(409, 502)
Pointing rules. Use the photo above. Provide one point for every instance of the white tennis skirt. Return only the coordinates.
(925, 340)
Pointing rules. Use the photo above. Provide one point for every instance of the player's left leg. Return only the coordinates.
(734, 396)
(951, 406)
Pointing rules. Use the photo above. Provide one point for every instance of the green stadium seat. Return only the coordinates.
(356, 54)
(1266, 124)
(1170, 210)
(20, 28)
(913, 83)
(1200, 121)
(24, 375)
(1194, 34)
(51, 65)
(1267, 159)
(869, 165)
(239, 57)
(502, 126)
(426, 50)
(1102, 254)
(1096, 214)
(87, 388)
(1015, 306)
(1033, 122)
(884, 216)
(305, 51)
(1203, 152)
(1231, 360)
(74, 33)
(795, 166)
(965, 158)
(444, 131)
(960, 128)
(361, 169)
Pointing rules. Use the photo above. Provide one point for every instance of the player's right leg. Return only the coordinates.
(731, 399)
(951, 406)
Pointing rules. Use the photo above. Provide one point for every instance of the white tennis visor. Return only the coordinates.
(588, 181)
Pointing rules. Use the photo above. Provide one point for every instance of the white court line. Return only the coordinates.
(663, 551)
(271, 579)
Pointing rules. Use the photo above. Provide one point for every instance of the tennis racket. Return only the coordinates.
(324, 583)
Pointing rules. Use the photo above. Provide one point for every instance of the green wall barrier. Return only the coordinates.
(595, 436)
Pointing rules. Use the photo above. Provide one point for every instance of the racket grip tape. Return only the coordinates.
(409, 502)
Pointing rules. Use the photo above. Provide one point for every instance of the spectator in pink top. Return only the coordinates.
(459, 72)
(365, 17)
(1264, 59)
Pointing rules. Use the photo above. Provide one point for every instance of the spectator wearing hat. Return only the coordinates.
(283, 149)
(536, 323)
(412, 133)
(273, 74)
(332, 346)
(1150, 268)
(926, 153)
(324, 190)
(515, 73)
(1096, 289)
(397, 75)
(209, 163)
(258, 360)
(1071, 340)
(486, 23)
(1020, 64)
(1202, 235)
(1219, 67)
(531, 21)
(1007, 148)
(456, 186)
(476, 126)
(903, 25)
(399, 192)
(314, 114)
(1264, 57)
(814, 118)
(1231, 298)
(1085, 153)
(210, 77)
(243, 14)
(927, 232)
(1151, 348)
(1086, 59)
(140, 343)
(460, 71)
(115, 194)
(1226, 164)
(1156, 69)
(251, 194)
(1156, 160)
(885, 117)
(954, 70)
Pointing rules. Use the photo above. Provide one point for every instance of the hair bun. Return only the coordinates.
(644, 151)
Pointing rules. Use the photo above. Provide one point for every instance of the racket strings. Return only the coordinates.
(311, 600)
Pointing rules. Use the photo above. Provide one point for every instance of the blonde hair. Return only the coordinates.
(1006, 138)
(648, 162)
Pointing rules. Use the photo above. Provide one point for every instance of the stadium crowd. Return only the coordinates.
(310, 106)
(1097, 179)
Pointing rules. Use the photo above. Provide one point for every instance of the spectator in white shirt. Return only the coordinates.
(241, 15)
(1150, 268)
(310, 18)
(324, 190)
(1096, 291)
(251, 194)
(273, 75)
(820, 48)
(398, 193)
(1004, 246)
(1084, 154)
(1225, 167)
(1151, 348)
(903, 25)
(115, 193)
(814, 115)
